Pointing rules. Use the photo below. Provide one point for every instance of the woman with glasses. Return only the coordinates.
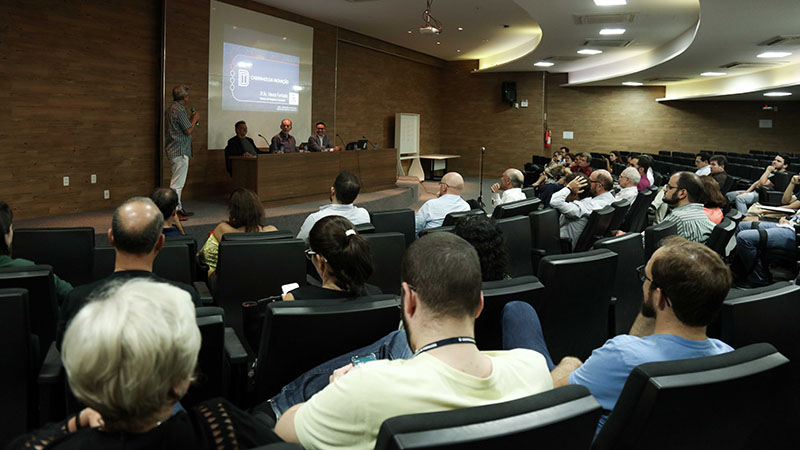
(342, 259)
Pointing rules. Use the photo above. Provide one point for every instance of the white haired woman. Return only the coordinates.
(130, 356)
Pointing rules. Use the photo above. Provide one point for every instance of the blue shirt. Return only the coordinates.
(432, 213)
(350, 212)
(605, 372)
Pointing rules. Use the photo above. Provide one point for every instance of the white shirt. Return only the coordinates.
(650, 176)
(432, 213)
(703, 171)
(575, 215)
(628, 193)
(508, 196)
(350, 212)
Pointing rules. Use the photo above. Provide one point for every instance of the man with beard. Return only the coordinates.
(684, 193)
(684, 285)
(343, 193)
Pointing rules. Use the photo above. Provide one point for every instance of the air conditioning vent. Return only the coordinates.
(595, 19)
(563, 58)
(786, 39)
(664, 79)
(615, 43)
(746, 65)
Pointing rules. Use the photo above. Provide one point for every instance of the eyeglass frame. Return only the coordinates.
(310, 254)
(642, 272)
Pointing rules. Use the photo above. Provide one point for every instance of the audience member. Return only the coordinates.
(487, 239)
(642, 163)
(575, 214)
(240, 145)
(685, 194)
(130, 356)
(555, 160)
(743, 199)
(136, 234)
(509, 189)
(612, 158)
(448, 200)
(749, 241)
(628, 181)
(7, 226)
(714, 200)
(702, 164)
(283, 142)
(717, 164)
(342, 259)
(245, 215)
(684, 285)
(319, 141)
(343, 193)
(581, 165)
(441, 299)
(166, 200)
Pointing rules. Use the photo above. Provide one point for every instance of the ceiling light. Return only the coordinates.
(773, 54)
(776, 94)
(632, 83)
(589, 51)
(609, 2)
(712, 74)
(460, 28)
(458, 51)
(544, 64)
(409, 31)
(609, 31)
(438, 43)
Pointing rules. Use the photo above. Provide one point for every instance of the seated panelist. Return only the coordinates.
(240, 145)
(319, 141)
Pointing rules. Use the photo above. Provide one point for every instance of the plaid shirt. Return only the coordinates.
(176, 143)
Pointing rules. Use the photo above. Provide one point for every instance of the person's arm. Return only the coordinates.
(764, 180)
(788, 196)
(561, 373)
(421, 218)
(643, 326)
(306, 228)
(313, 144)
(285, 426)
(752, 187)
(192, 121)
(275, 144)
(559, 201)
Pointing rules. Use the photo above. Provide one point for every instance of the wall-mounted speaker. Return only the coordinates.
(509, 94)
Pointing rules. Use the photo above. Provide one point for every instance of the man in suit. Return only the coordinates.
(319, 141)
(240, 145)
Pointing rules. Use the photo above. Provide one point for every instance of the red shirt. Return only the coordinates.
(584, 170)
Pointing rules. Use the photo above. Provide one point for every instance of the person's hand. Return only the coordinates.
(340, 372)
(796, 179)
(577, 185)
(90, 418)
(495, 188)
(195, 118)
(249, 155)
(784, 220)
(770, 169)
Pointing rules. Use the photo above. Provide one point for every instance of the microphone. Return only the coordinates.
(483, 149)
(265, 140)
(197, 124)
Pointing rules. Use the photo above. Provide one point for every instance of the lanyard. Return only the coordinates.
(443, 342)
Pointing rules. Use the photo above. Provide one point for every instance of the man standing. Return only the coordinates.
(685, 193)
(628, 180)
(442, 297)
(448, 200)
(701, 162)
(240, 145)
(319, 142)
(575, 214)
(178, 129)
(509, 189)
(283, 142)
(743, 199)
(343, 193)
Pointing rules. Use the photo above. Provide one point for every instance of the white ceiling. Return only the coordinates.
(669, 39)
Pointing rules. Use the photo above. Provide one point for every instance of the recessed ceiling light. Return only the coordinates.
(632, 83)
(438, 43)
(609, 2)
(589, 51)
(773, 54)
(409, 31)
(776, 94)
(712, 74)
(608, 31)
(460, 28)
(544, 64)
(284, 38)
(458, 51)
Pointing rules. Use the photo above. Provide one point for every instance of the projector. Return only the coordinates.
(429, 30)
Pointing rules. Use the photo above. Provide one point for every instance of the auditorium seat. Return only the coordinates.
(596, 228)
(488, 326)
(67, 250)
(42, 305)
(364, 228)
(104, 260)
(387, 252)
(721, 236)
(517, 237)
(734, 215)
(621, 208)
(560, 418)
(257, 236)
(574, 305)
(450, 219)
(636, 219)
(654, 234)
(298, 335)
(627, 289)
(722, 401)
(530, 192)
(545, 235)
(17, 380)
(447, 228)
(518, 208)
(396, 221)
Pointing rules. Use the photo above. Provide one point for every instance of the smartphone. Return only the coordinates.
(357, 360)
(289, 287)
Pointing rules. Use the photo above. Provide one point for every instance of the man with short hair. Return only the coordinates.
(178, 129)
(717, 165)
(343, 193)
(136, 235)
(319, 141)
(685, 194)
(283, 142)
(743, 199)
(581, 165)
(701, 162)
(642, 163)
(240, 145)
(509, 189)
(628, 180)
(575, 214)
(447, 200)
(684, 285)
(166, 200)
(441, 298)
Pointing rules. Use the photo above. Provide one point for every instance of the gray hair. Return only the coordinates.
(180, 92)
(516, 177)
(632, 174)
(126, 349)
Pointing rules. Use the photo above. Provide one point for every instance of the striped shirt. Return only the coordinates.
(692, 221)
(176, 121)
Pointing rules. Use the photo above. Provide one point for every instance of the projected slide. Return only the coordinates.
(259, 80)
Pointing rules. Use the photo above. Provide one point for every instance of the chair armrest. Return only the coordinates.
(52, 369)
(234, 348)
(566, 245)
(206, 311)
(769, 197)
(204, 292)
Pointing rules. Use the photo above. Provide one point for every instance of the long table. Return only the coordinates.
(281, 179)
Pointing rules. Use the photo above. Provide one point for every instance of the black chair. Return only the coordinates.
(104, 260)
(17, 385)
(364, 228)
(387, 252)
(627, 291)
(174, 262)
(298, 335)
(721, 236)
(596, 228)
(735, 215)
(517, 237)
(198, 273)
(654, 234)
(621, 208)
(530, 192)
(545, 235)
(396, 221)
(518, 208)
(636, 219)
(253, 270)
(67, 250)
(436, 230)
(210, 380)
(488, 326)
(450, 219)
(574, 305)
(256, 236)
(560, 418)
(42, 305)
(712, 402)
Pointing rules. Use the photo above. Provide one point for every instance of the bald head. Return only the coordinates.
(604, 182)
(454, 183)
(136, 226)
(515, 178)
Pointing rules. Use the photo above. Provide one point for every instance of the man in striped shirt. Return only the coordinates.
(178, 129)
(685, 194)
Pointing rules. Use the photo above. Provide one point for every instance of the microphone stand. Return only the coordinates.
(480, 182)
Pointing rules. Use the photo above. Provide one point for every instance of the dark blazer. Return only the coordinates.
(235, 148)
(314, 146)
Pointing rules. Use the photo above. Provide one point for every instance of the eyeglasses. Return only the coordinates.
(445, 184)
(669, 186)
(643, 274)
(320, 128)
(310, 253)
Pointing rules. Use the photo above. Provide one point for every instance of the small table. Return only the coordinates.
(436, 162)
